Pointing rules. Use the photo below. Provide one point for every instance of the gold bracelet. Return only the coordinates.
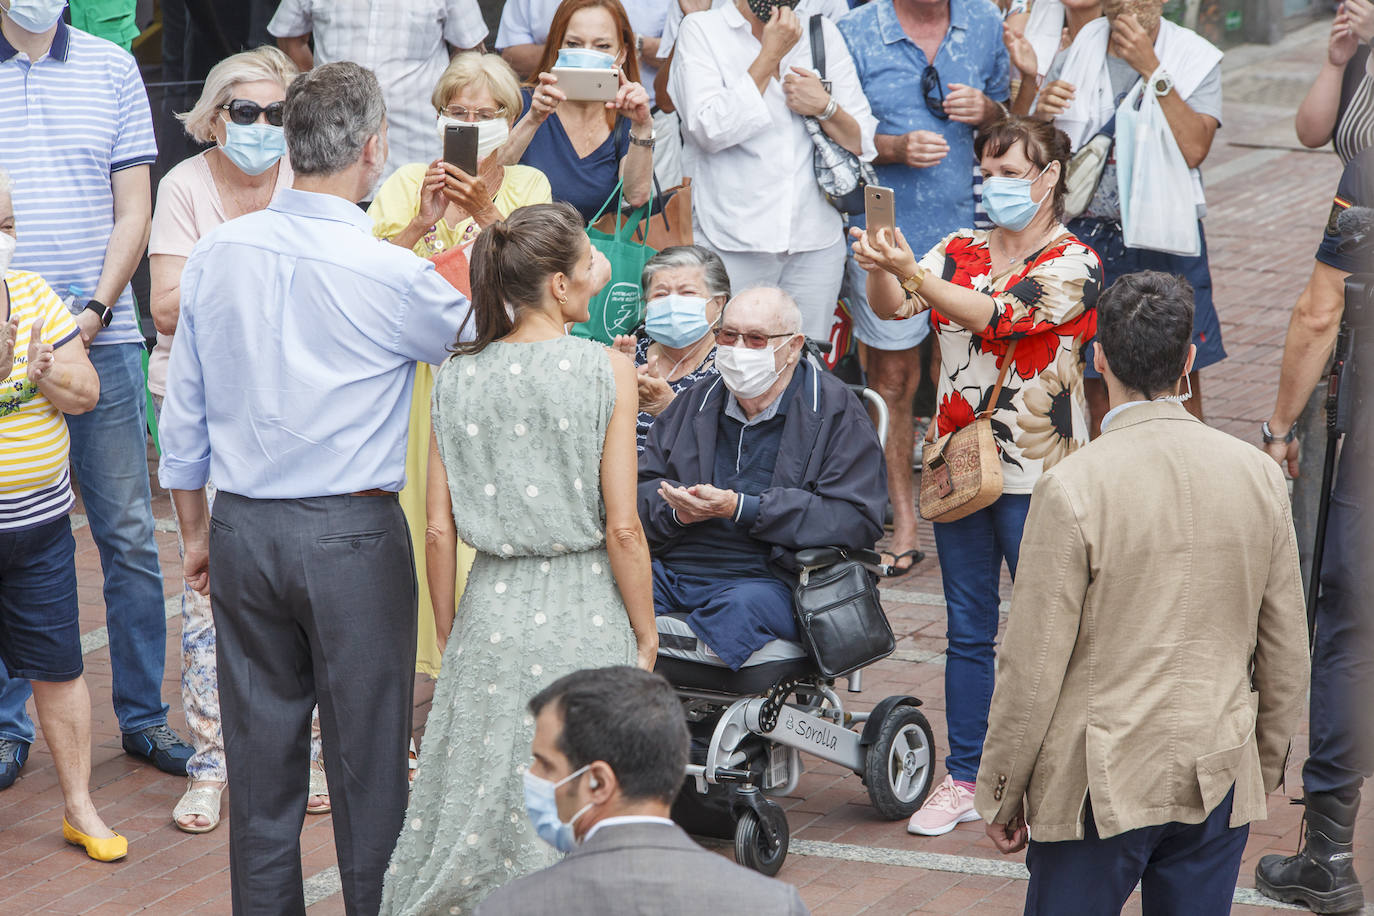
(917, 279)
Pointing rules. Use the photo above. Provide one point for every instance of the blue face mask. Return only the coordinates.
(254, 148)
(541, 804)
(585, 59)
(676, 321)
(1008, 201)
(36, 15)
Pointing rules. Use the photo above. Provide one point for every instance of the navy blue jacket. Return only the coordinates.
(829, 486)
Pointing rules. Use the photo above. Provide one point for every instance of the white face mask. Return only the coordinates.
(491, 135)
(7, 244)
(747, 373)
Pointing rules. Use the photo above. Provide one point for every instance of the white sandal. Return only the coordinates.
(319, 785)
(198, 801)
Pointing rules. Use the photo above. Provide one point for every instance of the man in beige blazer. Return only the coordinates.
(1155, 664)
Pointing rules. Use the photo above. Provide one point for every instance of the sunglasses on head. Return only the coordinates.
(934, 92)
(244, 111)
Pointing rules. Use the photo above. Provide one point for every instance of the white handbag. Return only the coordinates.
(1158, 206)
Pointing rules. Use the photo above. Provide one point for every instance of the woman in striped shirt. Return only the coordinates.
(47, 374)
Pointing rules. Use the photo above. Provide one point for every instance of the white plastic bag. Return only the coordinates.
(1158, 205)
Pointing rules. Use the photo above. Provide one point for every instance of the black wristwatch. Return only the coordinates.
(1269, 436)
(105, 312)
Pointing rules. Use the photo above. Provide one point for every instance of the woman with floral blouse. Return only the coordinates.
(1028, 281)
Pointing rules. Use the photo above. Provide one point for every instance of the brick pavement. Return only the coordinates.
(1268, 202)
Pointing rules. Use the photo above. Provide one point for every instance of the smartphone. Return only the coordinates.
(460, 146)
(587, 85)
(878, 210)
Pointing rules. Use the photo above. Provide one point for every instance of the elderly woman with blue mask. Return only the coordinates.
(685, 289)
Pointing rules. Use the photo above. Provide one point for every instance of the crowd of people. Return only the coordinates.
(386, 453)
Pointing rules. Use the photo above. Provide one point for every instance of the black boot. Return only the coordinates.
(1321, 876)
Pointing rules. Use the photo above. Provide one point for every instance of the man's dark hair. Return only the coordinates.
(627, 717)
(1144, 326)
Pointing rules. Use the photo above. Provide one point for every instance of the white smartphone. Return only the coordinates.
(586, 85)
(879, 210)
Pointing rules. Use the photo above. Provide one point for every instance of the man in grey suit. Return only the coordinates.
(610, 750)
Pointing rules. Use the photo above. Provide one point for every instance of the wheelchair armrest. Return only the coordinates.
(811, 557)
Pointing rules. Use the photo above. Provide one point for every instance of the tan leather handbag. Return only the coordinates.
(961, 471)
(671, 225)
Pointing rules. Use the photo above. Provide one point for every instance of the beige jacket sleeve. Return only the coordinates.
(1046, 608)
(1281, 663)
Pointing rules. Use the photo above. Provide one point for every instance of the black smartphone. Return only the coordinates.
(460, 146)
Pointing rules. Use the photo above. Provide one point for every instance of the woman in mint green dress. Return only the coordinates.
(532, 462)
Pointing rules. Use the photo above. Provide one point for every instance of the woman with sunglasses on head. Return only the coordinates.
(1026, 284)
(432, 209)
(240, 112)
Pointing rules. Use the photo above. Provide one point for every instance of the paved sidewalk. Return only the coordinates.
(1268, 202)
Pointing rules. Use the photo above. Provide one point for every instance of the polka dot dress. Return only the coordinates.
(520, 429)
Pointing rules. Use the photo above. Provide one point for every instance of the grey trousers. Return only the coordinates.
(314, 600)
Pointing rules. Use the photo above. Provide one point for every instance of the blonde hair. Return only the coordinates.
(469, 67)
(264, 63)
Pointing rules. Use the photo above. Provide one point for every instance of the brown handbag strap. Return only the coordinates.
(1011, 350)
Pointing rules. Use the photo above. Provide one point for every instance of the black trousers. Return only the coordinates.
(314, 601)
(1183, 869)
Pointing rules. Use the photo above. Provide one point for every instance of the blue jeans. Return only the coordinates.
(735, 617)
(1341, 747)
(971, 554)
(110, 457)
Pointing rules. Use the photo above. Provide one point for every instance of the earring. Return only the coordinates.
(563, 300)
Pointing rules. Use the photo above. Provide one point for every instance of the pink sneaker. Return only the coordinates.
(948, 806)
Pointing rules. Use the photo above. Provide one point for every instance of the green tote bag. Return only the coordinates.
(619, 307)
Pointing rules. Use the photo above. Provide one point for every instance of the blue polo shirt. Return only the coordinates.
(932, 202)
(68, 122)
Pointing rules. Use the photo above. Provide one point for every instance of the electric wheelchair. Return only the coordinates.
(749, 729)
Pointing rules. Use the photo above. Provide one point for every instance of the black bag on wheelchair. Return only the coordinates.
(839, 616)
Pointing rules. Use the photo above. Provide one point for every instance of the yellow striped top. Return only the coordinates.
(35, 487)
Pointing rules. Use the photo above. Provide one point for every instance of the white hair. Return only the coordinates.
(264, 63)
(787, 317)
(6, 183)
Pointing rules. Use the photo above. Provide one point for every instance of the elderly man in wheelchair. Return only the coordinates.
(746, 481)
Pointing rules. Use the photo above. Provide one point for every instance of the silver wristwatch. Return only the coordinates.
(1268, 435)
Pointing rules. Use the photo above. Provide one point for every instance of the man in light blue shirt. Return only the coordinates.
(290, 383)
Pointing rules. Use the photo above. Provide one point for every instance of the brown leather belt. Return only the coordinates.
(375, 491)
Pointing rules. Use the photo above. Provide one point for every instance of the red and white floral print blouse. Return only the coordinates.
(1049, 303)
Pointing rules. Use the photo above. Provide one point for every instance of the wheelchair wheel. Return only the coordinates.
(898, 768)
(752, 849)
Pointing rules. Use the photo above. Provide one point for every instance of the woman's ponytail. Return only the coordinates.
(511, 261)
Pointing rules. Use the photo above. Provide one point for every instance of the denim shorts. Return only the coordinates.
(40, 632)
